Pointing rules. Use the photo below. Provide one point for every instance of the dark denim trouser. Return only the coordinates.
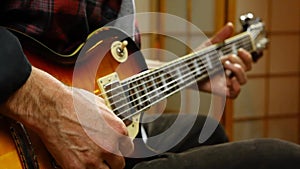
(216, 152)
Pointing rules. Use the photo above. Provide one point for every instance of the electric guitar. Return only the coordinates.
(111, 65)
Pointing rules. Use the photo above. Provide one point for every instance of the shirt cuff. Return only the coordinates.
(14, 66)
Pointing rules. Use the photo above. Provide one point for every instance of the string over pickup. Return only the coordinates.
(117, 100)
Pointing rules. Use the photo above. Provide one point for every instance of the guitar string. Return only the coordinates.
(158, 89)
(138, 111)
(147, 74)
(155, 96)
(151, 79)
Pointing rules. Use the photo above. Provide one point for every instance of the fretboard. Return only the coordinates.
(148, 88)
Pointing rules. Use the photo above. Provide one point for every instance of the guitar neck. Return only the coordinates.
(148, 88)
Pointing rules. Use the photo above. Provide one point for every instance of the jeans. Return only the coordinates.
(216, 152)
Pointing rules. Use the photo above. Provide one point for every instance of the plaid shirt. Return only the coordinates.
(59, 24)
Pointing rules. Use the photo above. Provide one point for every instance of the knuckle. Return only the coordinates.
(91, 160)
(238, 68)
(232, 58)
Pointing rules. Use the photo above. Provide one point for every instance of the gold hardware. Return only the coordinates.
(119, 51)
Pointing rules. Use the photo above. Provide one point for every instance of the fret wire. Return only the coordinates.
(151, 73)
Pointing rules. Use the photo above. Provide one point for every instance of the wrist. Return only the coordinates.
(34, 102)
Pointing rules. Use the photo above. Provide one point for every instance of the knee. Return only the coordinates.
(214, 128)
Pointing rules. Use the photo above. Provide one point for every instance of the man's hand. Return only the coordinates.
(76, 126)
(235, 66)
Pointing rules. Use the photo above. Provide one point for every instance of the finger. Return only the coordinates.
(114, 121)
(234, 59)
(126, 146)
(237, 71)
(114, 161)
(224, 33)
(100, 100)
(246, 58)
(234, 88)
(102, 165)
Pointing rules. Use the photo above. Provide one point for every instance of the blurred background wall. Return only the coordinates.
(268, 105)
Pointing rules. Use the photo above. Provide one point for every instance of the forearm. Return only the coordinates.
(47, 106)
(31, 103)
